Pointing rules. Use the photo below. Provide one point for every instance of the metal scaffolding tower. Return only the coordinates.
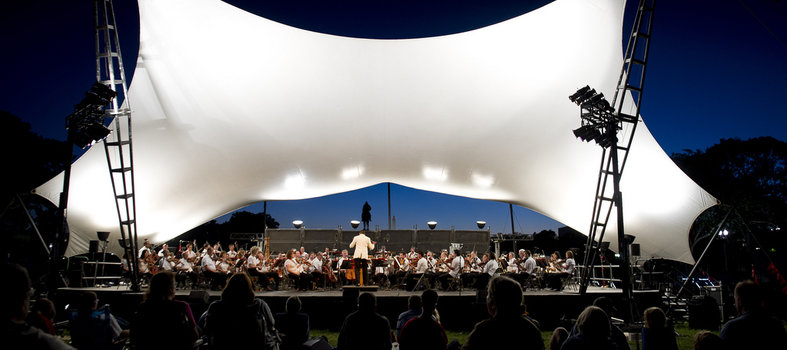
(619, 128)
(118, 146)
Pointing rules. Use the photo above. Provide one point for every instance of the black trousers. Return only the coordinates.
(361, 267)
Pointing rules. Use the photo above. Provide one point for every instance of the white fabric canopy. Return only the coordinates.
(230, 109)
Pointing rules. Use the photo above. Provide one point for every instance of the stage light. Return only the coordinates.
(431, 224)
(480, 224)
(355, 223)
(297, 223)
(103, 236)
(574, 97)
(605, 140)
(587, 133)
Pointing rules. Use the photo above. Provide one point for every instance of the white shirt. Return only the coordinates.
(290, 264)
(362, 244)
(232, 253)
(252, 262)
(161, 253)
(184, 265)
(422, 266)
(404, 265)
(316, 265)
(512, 267)
(475, 265)
(530, 265)
(189, 254)
(491, 268)
(456, 266)
(570, 265)
(166, 265)
(208, 264)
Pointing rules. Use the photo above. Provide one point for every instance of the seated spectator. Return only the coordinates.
(160, 321)
(559, 336)
(656, 333)
(616, 334)
(754, 328)
(365, 328)
(593, 325)
(424, 332)
(507, 325)
(413, 311)
(14, 301)
(41, 315)
(705, 340)
(293, 325)
(239, 313)
(93, 327)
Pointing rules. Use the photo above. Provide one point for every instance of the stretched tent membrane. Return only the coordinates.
(230, 109)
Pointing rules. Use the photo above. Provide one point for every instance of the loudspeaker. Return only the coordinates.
(704, 313)
(316, 344)
(93, 246)
(635, 249)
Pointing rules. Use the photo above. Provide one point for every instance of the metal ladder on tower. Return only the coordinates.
(118, 145)
(630, 86)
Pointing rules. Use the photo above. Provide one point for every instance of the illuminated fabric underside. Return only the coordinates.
(231, 109)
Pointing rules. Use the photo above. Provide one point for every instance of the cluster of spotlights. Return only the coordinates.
(598, 117)
(86, 124)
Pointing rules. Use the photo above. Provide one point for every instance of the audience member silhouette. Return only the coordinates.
(424, 332)
(656, 333)
(507, 325)
(559, 336)
(293, 325)
(754, 328)
(14, 301)
(615, 333)
(41, 315)
(705, 340)
(593, 325)
(93, 327)
(413, 311)
(162, 322)
(238, 312)
(365, 328)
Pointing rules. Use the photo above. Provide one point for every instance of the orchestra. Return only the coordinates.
(330, 268)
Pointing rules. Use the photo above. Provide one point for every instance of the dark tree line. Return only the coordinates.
(748, 177)
(240, 222)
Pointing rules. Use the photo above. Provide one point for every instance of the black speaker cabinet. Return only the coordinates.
(704, 313)
(93, 246)
(635, 249)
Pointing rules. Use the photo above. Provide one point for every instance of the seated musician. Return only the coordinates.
(185, 270)
(473, 269)
(381, 271)
(412, 255)
(421, 268)
(164, 248)
(455, 269)
(511, 267)
(209, 270)
(295, 272)
(268, 273)
(490, 266)
(165, 263)
(561, 269)
(400, 268)
(231, 253)
(315, 268)
(223, 264)
(253, 265)
(344, 272)
(144, 265)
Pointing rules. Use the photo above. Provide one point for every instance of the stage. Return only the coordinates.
(459, 310)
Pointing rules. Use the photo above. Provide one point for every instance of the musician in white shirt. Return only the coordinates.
(145, 247)
(489, 270)
(315, 268)
(295, 272)
(400, 267)
(455, 269)
(164, 248)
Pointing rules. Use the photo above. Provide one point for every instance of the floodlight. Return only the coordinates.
(355, 223)
(579, 93)
(587, 133)
(431, 224)
(102, 236)
(480, 224)
(605, 140)
(297, 223)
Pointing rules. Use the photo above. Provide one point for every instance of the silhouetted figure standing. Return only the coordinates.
(366, 215)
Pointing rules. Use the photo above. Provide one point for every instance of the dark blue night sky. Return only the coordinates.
(717, 69)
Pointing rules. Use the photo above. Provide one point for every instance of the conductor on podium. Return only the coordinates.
(362, 245)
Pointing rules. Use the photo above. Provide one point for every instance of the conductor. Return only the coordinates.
(362, 244)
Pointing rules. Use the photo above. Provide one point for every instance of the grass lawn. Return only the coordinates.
(685, 337)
